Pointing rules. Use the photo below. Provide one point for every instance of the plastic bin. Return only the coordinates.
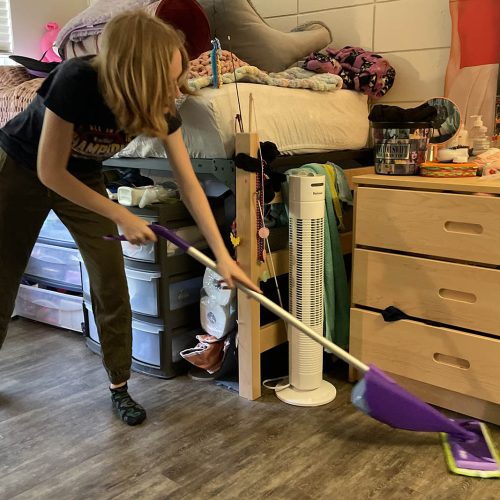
(143, 288)
(56, 264)
(54, 231)
(142, 253)
(146, 342)
(183, 293)
(53, 308)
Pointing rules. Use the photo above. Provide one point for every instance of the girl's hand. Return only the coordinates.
(231, 272)
(134, 228)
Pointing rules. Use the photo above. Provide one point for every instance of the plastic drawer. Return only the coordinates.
(56, 264)
(53, 308)
(143, 253)
(54, 231)
(92, 327)
(186, 292)
(143, 288)
(146, 342)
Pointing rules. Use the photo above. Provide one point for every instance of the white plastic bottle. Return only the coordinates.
(478, 140)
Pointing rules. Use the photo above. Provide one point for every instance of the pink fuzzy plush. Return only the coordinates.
(47, 43)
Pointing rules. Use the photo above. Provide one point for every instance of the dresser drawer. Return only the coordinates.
(454, 294)
(456, 226)
(457, 361)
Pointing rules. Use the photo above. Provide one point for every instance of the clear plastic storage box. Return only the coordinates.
(143, 253)
(146, 342)
(143, 288)
(53, 308)
(56, 264)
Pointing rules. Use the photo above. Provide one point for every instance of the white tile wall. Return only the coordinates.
(285, 23)
(421, 24)
(349, 26)
(310, 5)
(29, 19)
(419, 74)
(272, 8)
(414, 35)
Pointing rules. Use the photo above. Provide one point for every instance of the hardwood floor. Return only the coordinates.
(60, 440)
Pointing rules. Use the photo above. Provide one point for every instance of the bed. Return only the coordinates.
(298, 121)
(307, 127)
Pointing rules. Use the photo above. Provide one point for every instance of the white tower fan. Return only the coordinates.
(306, 278)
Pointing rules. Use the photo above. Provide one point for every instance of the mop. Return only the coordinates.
(468, 447)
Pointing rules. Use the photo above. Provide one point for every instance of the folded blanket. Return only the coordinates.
(92, 20)
(292, 78)
(202, 65)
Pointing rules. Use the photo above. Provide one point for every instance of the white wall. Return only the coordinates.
(414, 35)
(29, 18)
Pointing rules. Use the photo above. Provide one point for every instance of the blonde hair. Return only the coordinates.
(133, 67)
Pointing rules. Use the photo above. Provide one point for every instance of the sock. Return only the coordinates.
(130, 412)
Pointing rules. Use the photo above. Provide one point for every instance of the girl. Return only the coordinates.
(50, 158)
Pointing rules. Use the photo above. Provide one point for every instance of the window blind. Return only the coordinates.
(5, 28)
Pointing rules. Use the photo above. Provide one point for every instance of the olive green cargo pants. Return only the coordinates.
(24, 205)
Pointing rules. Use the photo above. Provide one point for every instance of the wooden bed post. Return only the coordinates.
(248, 310)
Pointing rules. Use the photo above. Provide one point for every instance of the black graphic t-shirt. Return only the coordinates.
(71, 91)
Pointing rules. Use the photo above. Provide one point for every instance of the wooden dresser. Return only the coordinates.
(431, 248)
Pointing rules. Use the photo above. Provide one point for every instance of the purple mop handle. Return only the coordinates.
(165, 233)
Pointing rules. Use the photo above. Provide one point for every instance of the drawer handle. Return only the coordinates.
(445, 293)
(463, 227)
(444, 359)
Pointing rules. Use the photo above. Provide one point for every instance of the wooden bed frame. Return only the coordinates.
(255, 339)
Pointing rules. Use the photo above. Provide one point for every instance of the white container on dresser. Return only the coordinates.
(431, 248)
(54, 267)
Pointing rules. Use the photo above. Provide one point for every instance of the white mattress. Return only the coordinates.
(298, 121)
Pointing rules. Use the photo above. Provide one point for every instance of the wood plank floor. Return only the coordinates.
(60, 440)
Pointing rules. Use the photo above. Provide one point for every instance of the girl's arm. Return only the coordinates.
(196, 201)
(53, 154)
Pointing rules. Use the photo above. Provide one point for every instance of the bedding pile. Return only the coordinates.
(293, 78)
(233, 68)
